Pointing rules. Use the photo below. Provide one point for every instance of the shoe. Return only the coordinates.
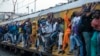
(4, 41)
(70, 53)
(59, 52)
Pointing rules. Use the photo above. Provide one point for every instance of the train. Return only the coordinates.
(59, 11)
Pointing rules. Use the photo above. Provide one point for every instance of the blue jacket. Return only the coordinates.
(12, 28)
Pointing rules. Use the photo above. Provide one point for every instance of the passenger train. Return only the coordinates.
(59, 11)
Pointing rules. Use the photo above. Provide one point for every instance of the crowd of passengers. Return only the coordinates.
(81, 32)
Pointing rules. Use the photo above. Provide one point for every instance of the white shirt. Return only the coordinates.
(49, 28)
(75, 20)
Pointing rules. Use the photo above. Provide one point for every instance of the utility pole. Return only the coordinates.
(28, 9)
(35, 5)
(31, 10)
(14, 5)
(17, 7)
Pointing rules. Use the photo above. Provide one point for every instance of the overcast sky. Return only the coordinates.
(40, 4)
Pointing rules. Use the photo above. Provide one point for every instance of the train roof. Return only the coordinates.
(52, 9)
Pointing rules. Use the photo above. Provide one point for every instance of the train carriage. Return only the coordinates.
(62, 11)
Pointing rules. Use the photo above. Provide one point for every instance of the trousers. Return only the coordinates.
(87, 37)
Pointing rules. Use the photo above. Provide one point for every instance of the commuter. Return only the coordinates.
(47, 30)
(40, 40)
(66, 34)
(5, 36)
(75, 38)
(96, 25)
(15, 31)
(50, 33)
(10, 33)
(60, 34)
(20, 34)
(34, 32)
(86, 28)
(54, 35)
(27, 32)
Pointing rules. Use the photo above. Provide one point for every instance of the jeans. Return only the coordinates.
(75, 39)
(47, 42)
(20, 38)
(87, 37)
(26, 39)
(11, 38)
(94, 44)
(50, 41)
(98, 44)
(1, 35)
(37, 43)
(15, 36)
(5, 37)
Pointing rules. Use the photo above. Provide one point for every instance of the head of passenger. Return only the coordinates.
(73, 15)
(14, 23)
(17, 23)
(28, 20)
(49, 20)
(20, 24)
(97, 14)
(26, 23)
(60, 20)
(87, 10)
(77, 14)
(50, 17)
(54, 20)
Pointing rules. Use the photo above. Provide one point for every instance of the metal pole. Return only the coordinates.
(28, 9)
(35, 5)
(17, 7)
(14, 4)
